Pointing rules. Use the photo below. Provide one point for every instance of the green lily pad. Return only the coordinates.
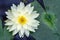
(4, 34)
(1, 31)
(53, 8)
(7, 34)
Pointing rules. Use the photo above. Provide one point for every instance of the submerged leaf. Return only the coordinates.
(42, 4)
(49, 19)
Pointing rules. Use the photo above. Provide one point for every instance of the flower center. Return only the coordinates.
(22, 20)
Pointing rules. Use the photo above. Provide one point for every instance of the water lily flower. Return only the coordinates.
(22, 19)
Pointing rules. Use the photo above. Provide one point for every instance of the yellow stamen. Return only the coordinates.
(22, 20)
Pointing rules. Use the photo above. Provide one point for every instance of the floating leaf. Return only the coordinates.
(49, 19)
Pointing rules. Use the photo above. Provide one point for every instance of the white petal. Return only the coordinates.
(27, 33)
(15, 13)
(8, 28)
(15, 32)
(20, 8)
(34, 14)
(21, 33)
(33, 22)
(29, 5)
(29, 9)
(7, 20)
(34, 27)
(10, 17)
(12, 28)
(19, 27)
(13, 8)
(8, 13)
(28, 27)
(21, 5)
(16, 29)
(9, 23)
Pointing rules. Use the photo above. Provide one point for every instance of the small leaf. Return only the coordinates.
(49, 19)
(42, 4)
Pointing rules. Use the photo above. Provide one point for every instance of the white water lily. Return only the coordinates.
(21, 19)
